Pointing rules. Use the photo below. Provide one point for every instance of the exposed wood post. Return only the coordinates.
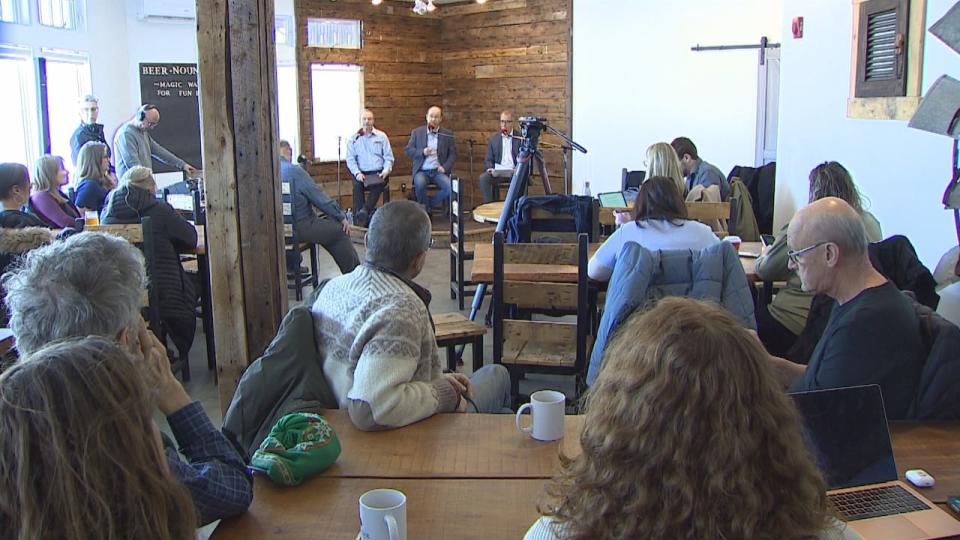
(238, 106)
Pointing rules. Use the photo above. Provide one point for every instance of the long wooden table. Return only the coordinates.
(480, 478)
(482, 269)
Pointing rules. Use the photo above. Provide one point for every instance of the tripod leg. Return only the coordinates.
(542, 169)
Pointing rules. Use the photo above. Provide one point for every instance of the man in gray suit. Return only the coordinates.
(433, 153)
(501, 160)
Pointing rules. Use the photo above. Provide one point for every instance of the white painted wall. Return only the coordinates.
(903, 171)
(636, 81)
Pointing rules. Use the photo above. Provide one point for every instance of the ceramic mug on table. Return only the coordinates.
(735, 240)
(547, 408)
(383, 515)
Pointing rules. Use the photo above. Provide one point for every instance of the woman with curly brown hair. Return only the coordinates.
(80, 456)
(687, 435)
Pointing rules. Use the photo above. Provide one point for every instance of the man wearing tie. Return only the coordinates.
(502, 150)
(433, 153)
(370, 160)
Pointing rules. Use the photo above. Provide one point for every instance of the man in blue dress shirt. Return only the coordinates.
(370, 161)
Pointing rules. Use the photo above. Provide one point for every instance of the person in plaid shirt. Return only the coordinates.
(92, 284)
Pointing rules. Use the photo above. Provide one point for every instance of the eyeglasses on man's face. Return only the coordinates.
(794, 255)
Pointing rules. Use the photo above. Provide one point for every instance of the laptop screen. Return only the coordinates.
(612, 199)
(846, 431)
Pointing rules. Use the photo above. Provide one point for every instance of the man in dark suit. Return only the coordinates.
(433, 153)
(502, 150)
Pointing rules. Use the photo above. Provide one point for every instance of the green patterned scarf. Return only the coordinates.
(299, 445)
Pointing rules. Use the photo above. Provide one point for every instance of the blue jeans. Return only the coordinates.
(490, 386)
(439, 179)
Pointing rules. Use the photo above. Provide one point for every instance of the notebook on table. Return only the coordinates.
(846, 430)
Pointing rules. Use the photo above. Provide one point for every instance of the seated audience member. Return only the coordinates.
(92, 285)
(136, 199)
(660, 223)
(873, 334)
(46, 201)
(697, 171)
(93, 168)
(687, 435)
(380, 352)
(433, 152)
(661, 161)
(501, 159)
(780, 322)
(331, 231)
(19, 231)
(81, 455)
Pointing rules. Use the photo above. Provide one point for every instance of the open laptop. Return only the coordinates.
(612, 199)
(846, 430)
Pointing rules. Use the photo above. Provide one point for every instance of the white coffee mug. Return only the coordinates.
(547, 408)
(733, 239)
(383, 515)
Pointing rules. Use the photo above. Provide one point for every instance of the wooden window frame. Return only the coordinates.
(890, 108)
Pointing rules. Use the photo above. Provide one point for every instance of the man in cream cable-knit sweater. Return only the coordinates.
(375, 332)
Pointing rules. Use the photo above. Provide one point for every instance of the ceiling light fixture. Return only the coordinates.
(481, 1)
(431, 6)
(376, 2)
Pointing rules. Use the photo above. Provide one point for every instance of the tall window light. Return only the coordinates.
(68, 79)
(287, 103)
(337, 91)
(19, 137)
(15, 11)
(66, 14)
(334, 33)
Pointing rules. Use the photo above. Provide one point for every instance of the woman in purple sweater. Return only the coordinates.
(46, 201)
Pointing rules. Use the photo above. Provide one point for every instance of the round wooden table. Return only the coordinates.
(488, 213)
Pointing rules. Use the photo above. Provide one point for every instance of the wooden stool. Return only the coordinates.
(454, 329)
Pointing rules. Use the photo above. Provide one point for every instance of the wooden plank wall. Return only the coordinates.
(401, 72)
(474, 59)
(505, 54)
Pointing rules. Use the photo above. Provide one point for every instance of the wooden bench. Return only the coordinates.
(454, 329)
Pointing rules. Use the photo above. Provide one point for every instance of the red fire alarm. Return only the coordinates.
(797, 27)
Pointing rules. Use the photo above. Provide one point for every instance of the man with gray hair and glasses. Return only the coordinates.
(89, 129)
(873, 335)
(380, 353)
(93, 284)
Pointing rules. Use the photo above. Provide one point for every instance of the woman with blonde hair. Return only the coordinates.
(80, 456)
(687, 435)
(662, 161)
(47, 202)
(93, 168)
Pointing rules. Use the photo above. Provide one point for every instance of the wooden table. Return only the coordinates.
(449, 446)
(327, 508)
(488, 213)
(482, 269)
(475, 476)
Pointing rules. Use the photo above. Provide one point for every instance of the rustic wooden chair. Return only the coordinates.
(525, 346)
(296, 280)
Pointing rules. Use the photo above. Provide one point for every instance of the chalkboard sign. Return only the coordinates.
(173, 88)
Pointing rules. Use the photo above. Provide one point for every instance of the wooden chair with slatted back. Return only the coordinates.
(525, 346)
(461, 246)
(296, 280)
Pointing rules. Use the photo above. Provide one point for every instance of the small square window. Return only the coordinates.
(334, 33)
(66, 14)
(15, 11)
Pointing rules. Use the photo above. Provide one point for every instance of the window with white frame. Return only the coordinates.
(68, 79)
(337, 91)
(66, 14)
(334, 33)
(289, 113)
(19, 137)
(283, 30)
(15, 11)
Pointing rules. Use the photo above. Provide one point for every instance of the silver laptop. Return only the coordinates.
(846, 429)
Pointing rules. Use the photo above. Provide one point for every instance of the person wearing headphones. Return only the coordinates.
(134, 146)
